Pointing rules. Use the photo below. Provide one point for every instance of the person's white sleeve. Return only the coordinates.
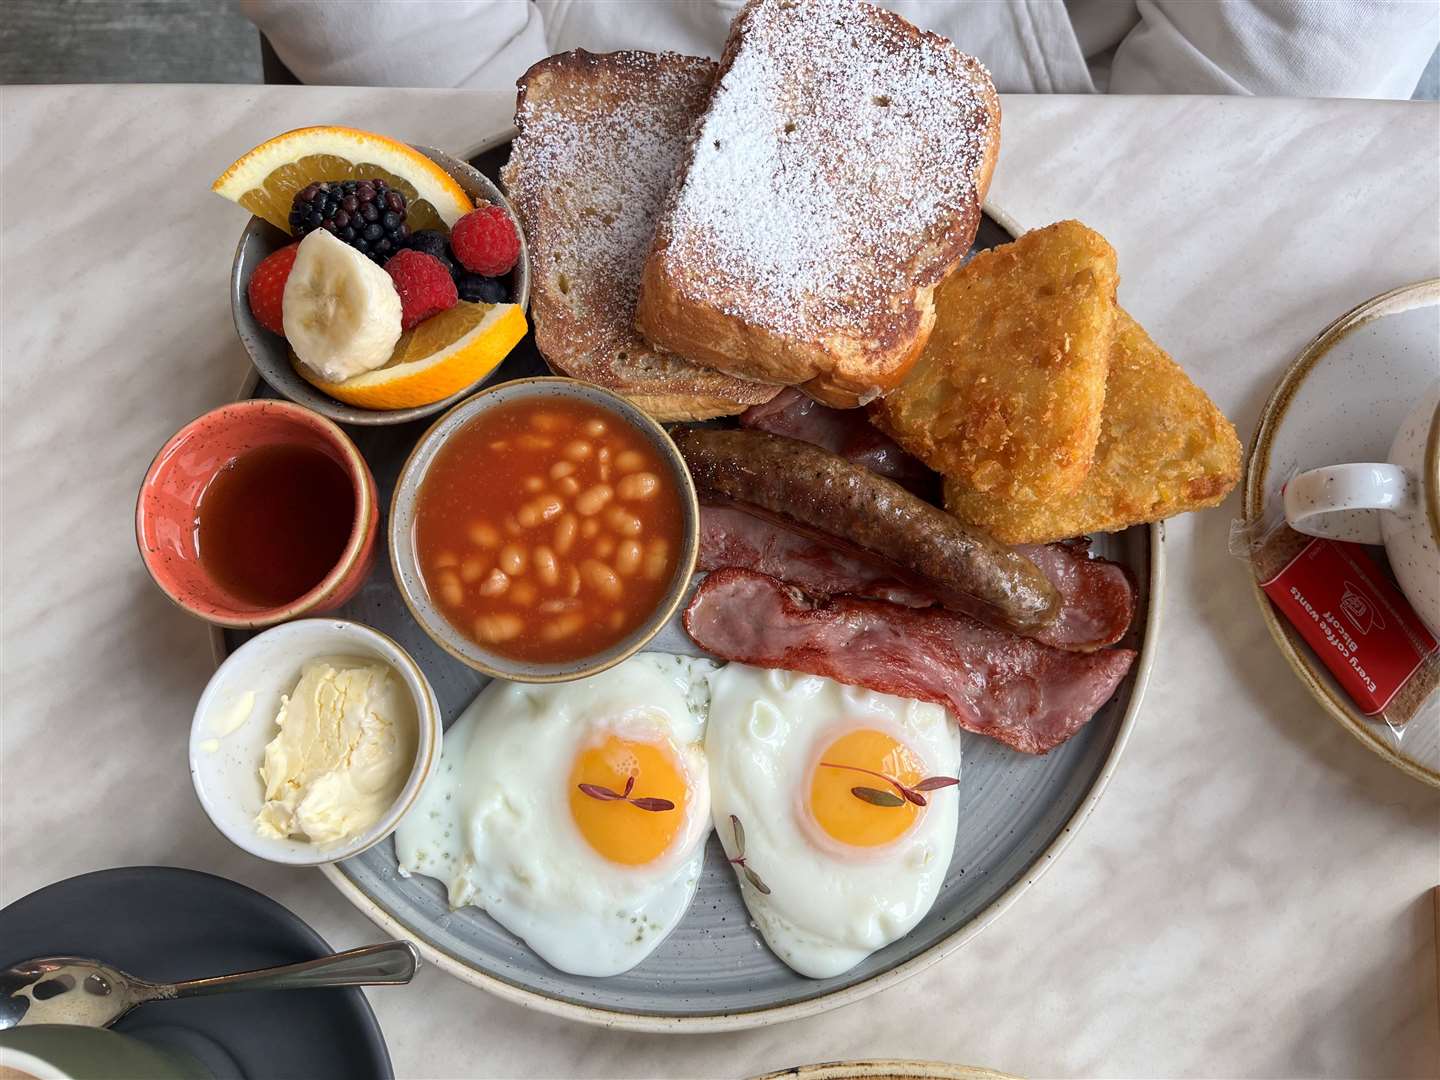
(695, 27)
(1028, 45)
(1279, 48)
(480, 44)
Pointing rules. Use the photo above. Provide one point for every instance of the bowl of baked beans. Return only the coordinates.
(543, 530)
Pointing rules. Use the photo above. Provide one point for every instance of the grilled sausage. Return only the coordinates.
(813, 490)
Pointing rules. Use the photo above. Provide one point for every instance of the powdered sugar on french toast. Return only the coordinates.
(607, 159)
(836, 162)
(600, 138)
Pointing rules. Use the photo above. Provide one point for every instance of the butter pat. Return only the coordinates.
(344, 750)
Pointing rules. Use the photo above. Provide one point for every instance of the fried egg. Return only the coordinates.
(576, 813)
(833, 861)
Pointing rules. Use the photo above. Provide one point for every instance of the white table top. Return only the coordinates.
(1250, 896)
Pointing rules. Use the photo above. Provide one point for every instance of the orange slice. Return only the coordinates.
(442, 356)
(265, 180)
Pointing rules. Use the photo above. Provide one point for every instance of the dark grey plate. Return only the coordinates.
(714, 972)
(165, 923)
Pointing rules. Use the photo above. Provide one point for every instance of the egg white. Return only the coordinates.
(494, 822)
(829, 906)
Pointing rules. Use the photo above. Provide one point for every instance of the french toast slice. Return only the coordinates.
(1007, 396)
(1164, 449)
(599, 138)
(835, 179)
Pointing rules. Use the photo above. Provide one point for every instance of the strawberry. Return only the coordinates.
(267, 288)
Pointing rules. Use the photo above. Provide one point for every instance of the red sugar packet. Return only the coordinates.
(1359, 624)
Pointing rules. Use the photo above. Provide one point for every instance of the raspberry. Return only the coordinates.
(485, 241)
(424, 285)
(267, 288)
(432, 242)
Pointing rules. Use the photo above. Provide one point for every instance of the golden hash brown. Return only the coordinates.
(1006, 397)
(1164, 449)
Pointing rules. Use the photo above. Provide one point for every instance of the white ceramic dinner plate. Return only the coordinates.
(1342, 400)
(1017, 813)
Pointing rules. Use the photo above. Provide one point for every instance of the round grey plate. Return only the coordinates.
(168, 923)
(714, 972)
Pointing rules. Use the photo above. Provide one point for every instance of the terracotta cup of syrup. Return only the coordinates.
(256, 513)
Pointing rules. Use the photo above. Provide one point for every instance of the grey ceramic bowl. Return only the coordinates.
(269, 353)
(402, 531)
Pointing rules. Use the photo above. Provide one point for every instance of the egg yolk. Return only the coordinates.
(840, 812)
(615, 828)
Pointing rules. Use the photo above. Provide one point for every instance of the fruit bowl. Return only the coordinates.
(269, 352)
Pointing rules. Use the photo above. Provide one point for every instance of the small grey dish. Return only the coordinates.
(406, 565)
(269, 353)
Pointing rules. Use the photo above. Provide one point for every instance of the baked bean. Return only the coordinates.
(502, 627)
(483, 534)
(565, 533)
(546, 529)
(593, 500)
(601, 578)
(450, 589)
(622, 521)
(512, 559)
(563, 627)
(627, 557)
(640, 485)
(545, 508)
(657, 558)
(545, 567)
(495, 584)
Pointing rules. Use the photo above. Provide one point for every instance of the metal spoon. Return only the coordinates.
(72, 990)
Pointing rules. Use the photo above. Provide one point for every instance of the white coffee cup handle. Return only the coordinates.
(1333, 502)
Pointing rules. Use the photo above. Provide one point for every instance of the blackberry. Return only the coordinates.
(369, 215)
(436, 243)
(478, 289)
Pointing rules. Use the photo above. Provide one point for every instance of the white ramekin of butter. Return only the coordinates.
(312, 741)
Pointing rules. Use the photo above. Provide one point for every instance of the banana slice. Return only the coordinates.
(341, 311)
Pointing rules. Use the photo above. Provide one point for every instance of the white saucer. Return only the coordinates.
(1342, 400)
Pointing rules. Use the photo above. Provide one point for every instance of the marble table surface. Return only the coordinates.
(1248, 899)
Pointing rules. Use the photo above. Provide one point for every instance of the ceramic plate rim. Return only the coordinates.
(1257, 463)
(886, 1068)
(813, 1006)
